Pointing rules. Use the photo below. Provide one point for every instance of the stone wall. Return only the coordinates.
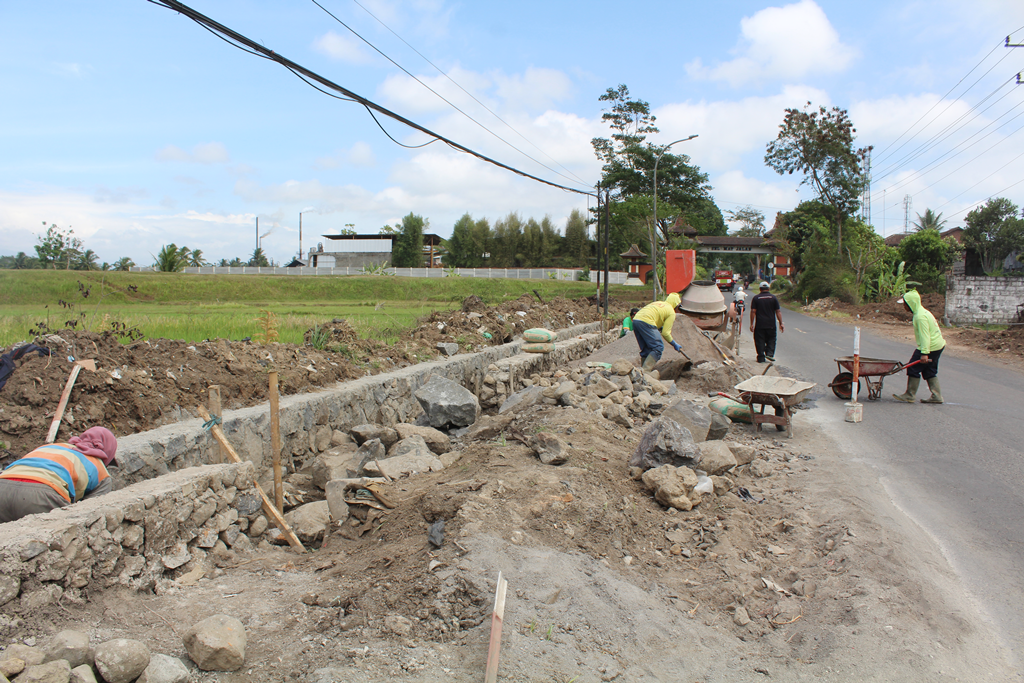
(139, 536)
(308, 420)
(984, 300)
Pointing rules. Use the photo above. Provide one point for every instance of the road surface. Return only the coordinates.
(957, 470)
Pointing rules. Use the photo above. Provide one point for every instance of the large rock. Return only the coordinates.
(549, 448)
(604, 386)
(333, 464)
(72, 646)
(30, 655)
(672, 486)
(447, 403)
(336, 504)
(368, 432)
(744, 454)
(696, 418)
(309, 522)
(437, 441)
(410, 446)
(121, 660)
(416, 460)
(83, 674)
(618, 414)
(216, 643)
(488, 427)
(521, 400)
(622, 367)
(665, 442)
(719, 428)
(10, 586)
(52, 672)
(164, 669)
(716, 458)
(370, 450)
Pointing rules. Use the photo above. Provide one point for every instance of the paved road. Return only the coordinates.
(956, 469)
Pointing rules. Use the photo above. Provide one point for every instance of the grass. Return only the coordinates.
(197, 307)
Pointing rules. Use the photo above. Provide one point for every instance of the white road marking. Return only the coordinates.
(799, 330)
(833, 345)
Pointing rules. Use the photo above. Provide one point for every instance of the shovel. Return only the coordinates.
(89, 365)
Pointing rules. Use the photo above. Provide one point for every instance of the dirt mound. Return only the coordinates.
(884, 312)
(336, 331)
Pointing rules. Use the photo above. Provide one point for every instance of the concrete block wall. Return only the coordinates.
(136, 537)
(307, 420)
(983, 300)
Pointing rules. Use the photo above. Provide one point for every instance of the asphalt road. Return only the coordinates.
(956, 469)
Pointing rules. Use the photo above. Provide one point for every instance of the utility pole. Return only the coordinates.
(257, 232)
(1009, 44)
(607, 227)
(908, 202)
(865, 205)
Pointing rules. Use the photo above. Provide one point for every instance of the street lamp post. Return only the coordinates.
(300, 230)
(654, 244)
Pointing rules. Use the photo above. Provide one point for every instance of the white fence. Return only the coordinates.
(615, 278)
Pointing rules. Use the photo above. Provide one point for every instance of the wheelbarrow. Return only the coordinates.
(782, 393)
(842, 384)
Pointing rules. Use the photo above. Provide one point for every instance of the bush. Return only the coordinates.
(781, 284)
(583, 275)
(828, 279)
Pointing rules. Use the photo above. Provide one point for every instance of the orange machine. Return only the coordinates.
(680, 265)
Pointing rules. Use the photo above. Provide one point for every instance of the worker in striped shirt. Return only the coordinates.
(58, 474)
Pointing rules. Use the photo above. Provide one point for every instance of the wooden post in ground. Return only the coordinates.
(268, 508)
(90, 365)
(497, 617)
(275, 442)
(213, 398)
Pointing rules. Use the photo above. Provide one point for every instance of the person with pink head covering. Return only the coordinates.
(58, 474)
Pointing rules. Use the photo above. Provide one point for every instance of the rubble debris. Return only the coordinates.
(665, 441)
(549, 448)
(216, 643)
(447, 403)
(121, 660)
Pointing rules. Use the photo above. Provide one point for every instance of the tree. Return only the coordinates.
(124, 264)
(508, 242)
(87, 260)
(349, 229)
(195, 259)
(819, 145)
(629, 161)
(993, 231)
(258, 258)
(57, 247)
(22, 261)
(576, 245)
(751, 221)
(459, 247)
(929, 221)
(408, 249)
(170, 259)
(927, 256)
(387, 230)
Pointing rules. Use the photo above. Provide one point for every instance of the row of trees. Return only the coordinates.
(59, 249)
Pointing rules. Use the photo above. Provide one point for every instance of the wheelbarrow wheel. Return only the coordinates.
(842, 385)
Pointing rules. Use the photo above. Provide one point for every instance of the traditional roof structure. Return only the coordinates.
(634, 252)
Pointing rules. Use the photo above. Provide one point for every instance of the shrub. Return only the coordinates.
(781, 284)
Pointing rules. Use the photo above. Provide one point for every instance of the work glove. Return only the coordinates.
(677, 347)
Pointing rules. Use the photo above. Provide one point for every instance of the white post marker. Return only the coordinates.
(855, 410)
(491, 673)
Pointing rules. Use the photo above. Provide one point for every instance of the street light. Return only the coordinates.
(300, 229)
(654, 245)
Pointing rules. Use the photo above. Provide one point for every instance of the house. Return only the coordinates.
(358, 251)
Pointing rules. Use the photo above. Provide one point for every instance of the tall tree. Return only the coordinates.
(460, 252)
(124, 263)
(751, 221)
(258, 258)
(576, 245)
(993, 231)
(408, 250)
(22, 261)
(819, 145)
(506, 251)
(170, 259)
(58, 247)
(929, 221)
(87, 260)
(195, 259)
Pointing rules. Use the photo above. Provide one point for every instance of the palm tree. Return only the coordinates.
(123, 264)
(258, 258)
(21, 261)
(170, 259)
(929, 221)
(195, 259)
(87, 260)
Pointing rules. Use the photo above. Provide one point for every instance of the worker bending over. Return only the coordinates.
(58, 474)
(652, 324)
(929, 347)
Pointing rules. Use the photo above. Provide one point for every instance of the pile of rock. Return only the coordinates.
(214, 644)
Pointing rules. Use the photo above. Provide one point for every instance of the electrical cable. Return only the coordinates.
(239, 40)
(457, 85)
(439, 95)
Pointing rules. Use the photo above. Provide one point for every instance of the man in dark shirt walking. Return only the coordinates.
(764, 311)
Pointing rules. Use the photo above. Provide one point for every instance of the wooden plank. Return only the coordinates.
(497, 617)
(62, 406)
(268, 508)
(275, 441)
(213, 398)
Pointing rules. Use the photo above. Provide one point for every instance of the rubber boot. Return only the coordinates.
(649, 363)
(936, 396)
(908, 397)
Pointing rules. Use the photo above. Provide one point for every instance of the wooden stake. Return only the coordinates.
(268, 507)
(213, 398)
(497, 616)
(275, 442)
(66, 394)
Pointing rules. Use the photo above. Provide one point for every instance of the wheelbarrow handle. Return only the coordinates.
(904, 367)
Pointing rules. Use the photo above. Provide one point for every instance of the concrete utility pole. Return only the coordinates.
(300, 230)
(654, 244)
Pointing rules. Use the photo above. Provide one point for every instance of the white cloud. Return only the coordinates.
(342, 48)
(535, 88)
(208, 217)
(205, 153)
(360, 155)
(407, 96)
(781, 43)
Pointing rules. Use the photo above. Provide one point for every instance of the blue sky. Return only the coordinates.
(136, 127)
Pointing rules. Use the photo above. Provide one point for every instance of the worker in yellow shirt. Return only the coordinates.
(652, 324)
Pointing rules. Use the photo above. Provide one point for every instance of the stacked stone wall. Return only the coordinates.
(307, 421)
(984, 300)
(137, 537)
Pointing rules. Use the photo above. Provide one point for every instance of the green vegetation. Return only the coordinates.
(197, 307)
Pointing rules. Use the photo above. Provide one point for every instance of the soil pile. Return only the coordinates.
(886, 312)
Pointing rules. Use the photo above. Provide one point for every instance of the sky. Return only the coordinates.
(135, 127)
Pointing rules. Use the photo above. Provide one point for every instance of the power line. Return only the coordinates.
(238, 40)
(439, 95)
(459, 86)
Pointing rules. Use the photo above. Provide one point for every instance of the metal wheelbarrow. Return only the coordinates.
(842, 384)
(782, 393)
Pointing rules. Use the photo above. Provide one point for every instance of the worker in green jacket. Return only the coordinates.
(929, 347)
(652, 324)
(627, 322)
